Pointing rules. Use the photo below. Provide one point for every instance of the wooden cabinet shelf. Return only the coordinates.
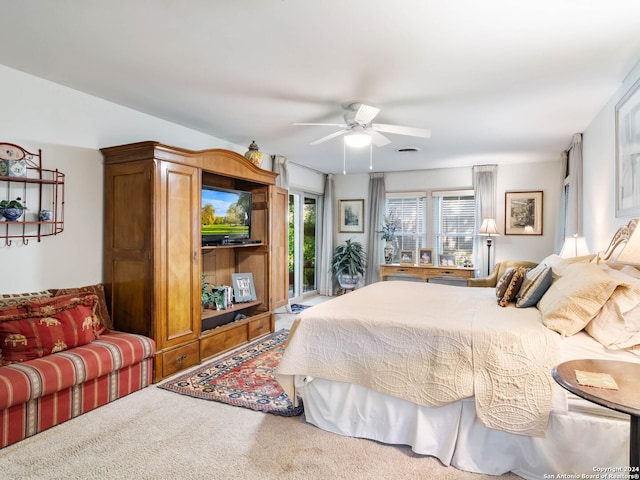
(154, 259)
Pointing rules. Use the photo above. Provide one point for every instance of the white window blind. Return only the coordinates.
(454, 223)
(408, 211)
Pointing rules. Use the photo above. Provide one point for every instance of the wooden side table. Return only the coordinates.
(626, 399)
(425, 272)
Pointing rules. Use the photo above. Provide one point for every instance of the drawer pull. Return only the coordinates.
(260, 327)
(181, 358)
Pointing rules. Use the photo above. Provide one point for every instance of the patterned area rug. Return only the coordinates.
(297, 308)
(244, 379)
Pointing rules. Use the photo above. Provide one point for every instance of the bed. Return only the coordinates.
(455, 375)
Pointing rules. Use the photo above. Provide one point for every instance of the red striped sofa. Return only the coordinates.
(39, 393)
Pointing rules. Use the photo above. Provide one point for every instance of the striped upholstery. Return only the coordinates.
(38, 394)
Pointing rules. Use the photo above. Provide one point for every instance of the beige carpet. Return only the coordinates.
(157, 434)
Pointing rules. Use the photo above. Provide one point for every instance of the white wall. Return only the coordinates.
(544, 176)
(599, 158)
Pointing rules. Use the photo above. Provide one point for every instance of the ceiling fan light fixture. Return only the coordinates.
(357, 139)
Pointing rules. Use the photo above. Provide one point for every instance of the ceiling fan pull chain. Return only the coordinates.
(344, 158)
(370, 157)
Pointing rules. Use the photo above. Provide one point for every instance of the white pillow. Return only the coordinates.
(576, 297)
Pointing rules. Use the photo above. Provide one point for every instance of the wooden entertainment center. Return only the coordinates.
(154, 259)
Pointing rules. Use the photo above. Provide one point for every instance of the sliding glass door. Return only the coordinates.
(303, 245)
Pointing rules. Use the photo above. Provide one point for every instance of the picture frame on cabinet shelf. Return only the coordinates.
(425, 256)
(628, 153)
(244, 289)
(351, 216)
(523, 213)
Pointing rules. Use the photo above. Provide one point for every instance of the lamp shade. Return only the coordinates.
(489, 227)
(630, 254)
(574, 246)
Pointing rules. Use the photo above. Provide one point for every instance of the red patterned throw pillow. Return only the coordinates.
(101, 308)
(51, 325)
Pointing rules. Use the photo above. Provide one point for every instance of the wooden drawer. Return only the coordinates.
(260, 326)
(215, 342)
(454, 273)
(172, 361)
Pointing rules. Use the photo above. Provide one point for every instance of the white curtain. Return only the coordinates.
(485, 194)
(560, 222)
(325, 276)
(281, 167)
(573, 221)
(376, 219)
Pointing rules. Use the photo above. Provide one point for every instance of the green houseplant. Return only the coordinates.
(208, 299)
(348, 263)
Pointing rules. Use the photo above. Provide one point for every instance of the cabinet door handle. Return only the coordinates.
(181, 358)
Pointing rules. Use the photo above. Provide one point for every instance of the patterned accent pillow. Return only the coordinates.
(47, 328)
(536, 282)
(101, 308)
(503, 283)
(514, 286)
(17, 299)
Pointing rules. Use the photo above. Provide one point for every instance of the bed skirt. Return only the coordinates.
(575, 443)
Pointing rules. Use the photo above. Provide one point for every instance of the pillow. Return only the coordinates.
(101, 308)
(47, 328)
(575, 298)
(617, 324)
(558, 264)
(16, 299)
(513, 287)
(535, 284)
(503, 283)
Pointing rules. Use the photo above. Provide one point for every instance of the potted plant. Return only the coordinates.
(12, 209)
(208, 298)
(348, 263)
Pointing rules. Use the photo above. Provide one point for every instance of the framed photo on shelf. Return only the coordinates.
(407, 258)
(243, 287)
(425, 256)
(628, 153)
(447, 260)
(523, 213)
(351, 216)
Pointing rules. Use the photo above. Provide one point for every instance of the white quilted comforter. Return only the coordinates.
(431, 344)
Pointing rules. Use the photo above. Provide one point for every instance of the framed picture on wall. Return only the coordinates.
(351, 216)
(523, 213)
(628, 153)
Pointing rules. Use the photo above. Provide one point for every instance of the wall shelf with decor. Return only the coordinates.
(31, 197)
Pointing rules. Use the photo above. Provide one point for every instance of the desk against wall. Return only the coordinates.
(425, 272)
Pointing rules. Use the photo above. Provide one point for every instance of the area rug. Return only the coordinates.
(297, 307)
(244, 378)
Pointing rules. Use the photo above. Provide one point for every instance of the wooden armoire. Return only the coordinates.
(154, 259)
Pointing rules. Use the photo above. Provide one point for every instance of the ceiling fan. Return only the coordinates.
(360, 132)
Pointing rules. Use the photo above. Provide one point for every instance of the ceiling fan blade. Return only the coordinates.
(365, 114)
(329, 137)
(343, 125)
(379, 140)
(411, 131)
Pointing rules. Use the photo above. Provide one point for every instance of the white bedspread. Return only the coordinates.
(431, 345)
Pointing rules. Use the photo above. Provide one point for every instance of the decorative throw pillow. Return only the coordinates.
(575, 298)
(535, 284)
(47, 328)
(503, 283)
(16, 299)
(513, 287)
(101, 308)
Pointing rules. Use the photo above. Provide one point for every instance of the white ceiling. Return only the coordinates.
(496, 81)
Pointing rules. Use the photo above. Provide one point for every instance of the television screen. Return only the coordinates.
(225, 214)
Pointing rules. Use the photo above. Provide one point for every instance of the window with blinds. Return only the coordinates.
(408, 211)
(454, 223)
